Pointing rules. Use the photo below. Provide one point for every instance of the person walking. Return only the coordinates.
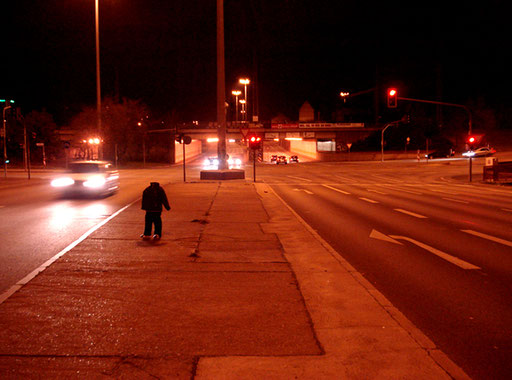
(153, 198)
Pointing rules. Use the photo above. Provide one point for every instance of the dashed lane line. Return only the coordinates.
(336, 189)
(489, 237)
(376, 191)
(400, 189)
(304, 190)
(302, 179)
(410, 213)
(368, 200)
(455, 200)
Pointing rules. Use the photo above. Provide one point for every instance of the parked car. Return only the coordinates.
(281, 160)
(294, 159)
(441, 153)
(89, 178)
(273, 158)
(480, 152)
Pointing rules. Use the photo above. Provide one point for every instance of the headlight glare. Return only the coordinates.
(62, 182)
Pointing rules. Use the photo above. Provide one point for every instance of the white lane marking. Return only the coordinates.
(380, 236)
(455, 200)
(304, 190)
(335, 189)
(410, 213)
(302, 179)
(387, 179)
(13, 289)
(444, 191)
(452, 259)
(399, 189)
(489, 237)
(507, 209)
(376, 191)
(368, 200)
(345, 178)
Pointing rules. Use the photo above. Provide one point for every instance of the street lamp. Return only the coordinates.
(98, 85)
(236, 93)
(245, 82)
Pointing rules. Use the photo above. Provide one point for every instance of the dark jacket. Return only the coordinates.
(153, 197)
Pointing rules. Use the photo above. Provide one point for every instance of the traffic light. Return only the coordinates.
(255, 142)
(392, 97)
(471, 142)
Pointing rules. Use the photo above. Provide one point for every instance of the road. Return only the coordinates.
(439, 248)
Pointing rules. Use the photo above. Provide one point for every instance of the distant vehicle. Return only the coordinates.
(212, 163)
(90, 178)
(441, 153)
(480, 152)
(294, 159)
(281, 160)
(273, 158)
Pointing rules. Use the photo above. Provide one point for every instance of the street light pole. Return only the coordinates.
(221, 88)
(98, 82)
(245, 82)
(5, 140)
(236, 93)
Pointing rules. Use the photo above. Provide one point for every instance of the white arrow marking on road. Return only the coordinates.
(452, 259)
(489, 237)
(410, 213)
(304, 190)
(335, 189)
(380, 236)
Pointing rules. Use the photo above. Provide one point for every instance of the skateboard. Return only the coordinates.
(153, 238)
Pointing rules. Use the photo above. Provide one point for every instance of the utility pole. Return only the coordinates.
(221, 88)
(5, 139)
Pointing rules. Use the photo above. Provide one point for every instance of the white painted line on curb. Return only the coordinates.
(410, 213)
(368, 200)
(455, 200)
(489, 237)
(13, 289)
(302, 179)
(335, 189)
(452, 259)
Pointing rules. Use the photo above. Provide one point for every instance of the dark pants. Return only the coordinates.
(153, 217)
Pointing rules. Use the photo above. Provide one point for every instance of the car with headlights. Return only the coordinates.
(87, 178)
(294, 159)
(212, 163)
(273, 159)
(480, 152)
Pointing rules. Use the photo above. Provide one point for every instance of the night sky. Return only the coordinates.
(164, 53)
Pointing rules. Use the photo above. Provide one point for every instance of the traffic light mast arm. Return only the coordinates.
(470, 117)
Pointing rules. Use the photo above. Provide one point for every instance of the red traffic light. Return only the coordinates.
(255, 142)
(392, 97)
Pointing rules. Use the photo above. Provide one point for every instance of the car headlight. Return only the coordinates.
(468, 154)
(95, 182)
(238, 161)
(62, 182)
(215, 162)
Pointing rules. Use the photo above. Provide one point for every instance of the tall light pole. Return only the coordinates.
(98, 82)
(6, 107)
(221, 88)
(236, 93)
(245, 82)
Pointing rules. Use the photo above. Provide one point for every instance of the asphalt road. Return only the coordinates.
(439, 248)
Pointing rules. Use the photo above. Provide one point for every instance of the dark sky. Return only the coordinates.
(164, 52)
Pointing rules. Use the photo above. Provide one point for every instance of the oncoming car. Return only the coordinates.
(90, 178)
(282, 160)
(480, 152)
(212, 163)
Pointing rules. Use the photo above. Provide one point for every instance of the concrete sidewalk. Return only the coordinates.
(238, 288)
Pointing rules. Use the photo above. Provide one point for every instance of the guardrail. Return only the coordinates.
(498, 172)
